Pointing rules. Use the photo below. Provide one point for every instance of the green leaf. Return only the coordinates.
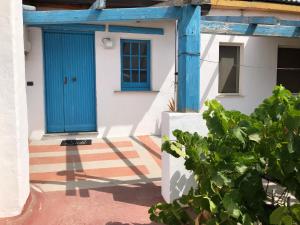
(178, 149)
(287, 220)
(277, 215)
(254, 137)
(295, 209)
(220, 179)
(241, 168)
(231, 204)
(247, 220)
(212, 222)
(237, 132)
(212, 205)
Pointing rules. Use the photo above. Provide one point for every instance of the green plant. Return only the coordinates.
(230, 162)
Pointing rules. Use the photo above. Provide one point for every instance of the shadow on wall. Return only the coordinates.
(181, 184)
(208, 89)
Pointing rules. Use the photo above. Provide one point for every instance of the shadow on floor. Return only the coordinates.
(143, 191)
(137, 194)
(118, 223)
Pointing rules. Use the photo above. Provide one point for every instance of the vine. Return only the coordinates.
(232, 162)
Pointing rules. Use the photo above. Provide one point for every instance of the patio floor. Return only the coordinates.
(110, 182)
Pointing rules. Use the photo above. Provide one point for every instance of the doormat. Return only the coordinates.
(76, 142)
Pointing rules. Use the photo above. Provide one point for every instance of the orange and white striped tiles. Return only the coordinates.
(107, 162)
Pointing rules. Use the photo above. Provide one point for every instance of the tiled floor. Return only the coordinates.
(107, 162)
(111, 182)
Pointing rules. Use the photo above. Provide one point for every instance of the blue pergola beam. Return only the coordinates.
(136, 30)
(259, 20)
(189, 59)
(74, 27)
(242, 19)
(290, 23)
(249, 29)
(104, 15)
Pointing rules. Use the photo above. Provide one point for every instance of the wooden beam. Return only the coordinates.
(104, 15)
(136, 30)
(73, 27)
(243, 19)
(189, 59)
(216, 27)
(295, 23)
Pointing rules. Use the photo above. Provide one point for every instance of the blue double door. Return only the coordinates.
(69, 60)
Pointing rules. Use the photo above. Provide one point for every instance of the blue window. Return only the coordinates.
(135, 65)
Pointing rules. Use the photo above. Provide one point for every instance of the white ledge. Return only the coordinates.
(224, 95)
(136, 91)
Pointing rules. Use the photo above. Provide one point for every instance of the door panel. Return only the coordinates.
(54, 82)
(73, 73)
(80, 90)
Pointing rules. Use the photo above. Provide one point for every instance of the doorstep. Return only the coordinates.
(68, 136)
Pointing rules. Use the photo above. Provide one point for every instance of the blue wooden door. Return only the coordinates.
(70, 81)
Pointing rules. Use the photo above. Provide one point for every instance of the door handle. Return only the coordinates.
(65, 80)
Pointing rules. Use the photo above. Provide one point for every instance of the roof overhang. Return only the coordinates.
(255, 6)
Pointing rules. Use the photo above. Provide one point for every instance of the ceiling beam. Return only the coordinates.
(104, 15)
(243, 19)
(216, 27)
(230, 25)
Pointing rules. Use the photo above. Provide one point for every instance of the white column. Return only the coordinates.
(176, 180)
(14, 159)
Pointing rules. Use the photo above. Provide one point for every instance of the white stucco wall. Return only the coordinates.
(127, 113)
(14, 159)
(258, 61)
(118, 113)
(257, 71)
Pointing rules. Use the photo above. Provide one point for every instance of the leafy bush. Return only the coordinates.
(231, 162)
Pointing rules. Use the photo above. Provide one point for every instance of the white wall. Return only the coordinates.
(257, 71)
(118, 113)
(14, 159)
(126, 113)
(35, 94)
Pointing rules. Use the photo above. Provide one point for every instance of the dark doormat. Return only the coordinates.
(76, 142)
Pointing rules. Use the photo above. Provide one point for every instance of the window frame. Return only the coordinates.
(277, 64)
(136, 86)
(239, 57)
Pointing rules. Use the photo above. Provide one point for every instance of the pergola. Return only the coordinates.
(190, 25)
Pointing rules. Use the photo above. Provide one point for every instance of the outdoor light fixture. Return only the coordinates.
(107, 43)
